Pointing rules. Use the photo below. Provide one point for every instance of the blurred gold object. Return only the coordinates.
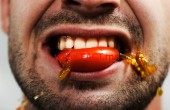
(140, 63)
(159, 91)
(64, 72)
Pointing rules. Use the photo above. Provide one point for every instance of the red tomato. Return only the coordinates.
(88, 59)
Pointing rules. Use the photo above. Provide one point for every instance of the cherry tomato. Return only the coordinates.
(88, 59)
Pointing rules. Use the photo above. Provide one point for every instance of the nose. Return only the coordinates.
(91, 7)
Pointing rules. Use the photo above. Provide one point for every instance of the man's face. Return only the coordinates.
(35, 26)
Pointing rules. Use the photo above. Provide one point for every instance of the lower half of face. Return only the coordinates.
(117, 87)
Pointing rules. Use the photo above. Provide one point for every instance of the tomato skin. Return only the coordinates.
(88, 59)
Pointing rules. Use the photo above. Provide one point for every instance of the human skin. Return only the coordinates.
(145, 21)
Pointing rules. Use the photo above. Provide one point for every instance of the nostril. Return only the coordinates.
(107, 5)
(72, 2)
(91, 8)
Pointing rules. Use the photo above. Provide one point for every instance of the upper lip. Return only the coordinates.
(89, 31)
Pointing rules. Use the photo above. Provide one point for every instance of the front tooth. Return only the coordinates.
(111, 42)
(79, 43)
(69, 42)
(103, 42)
(61, 43)
(91, 42)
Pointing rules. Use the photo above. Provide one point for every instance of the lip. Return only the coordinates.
(83, 31)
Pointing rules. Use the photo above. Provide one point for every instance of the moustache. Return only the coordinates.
(107, 19)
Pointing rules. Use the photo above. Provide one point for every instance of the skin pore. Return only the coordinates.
(29, 21)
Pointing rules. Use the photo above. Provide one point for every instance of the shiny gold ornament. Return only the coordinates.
(64, 72)
(159, 91)
(140, 63)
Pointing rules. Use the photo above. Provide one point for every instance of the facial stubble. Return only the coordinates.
(133, 94)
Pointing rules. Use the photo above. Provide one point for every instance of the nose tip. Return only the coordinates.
(91, 6)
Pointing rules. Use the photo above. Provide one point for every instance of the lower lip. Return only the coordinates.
(85, 76)
(98, 75)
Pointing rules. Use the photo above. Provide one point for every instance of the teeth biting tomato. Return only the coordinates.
(88, 59)
(98, 58)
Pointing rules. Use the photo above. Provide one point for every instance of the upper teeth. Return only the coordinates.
(79, 42)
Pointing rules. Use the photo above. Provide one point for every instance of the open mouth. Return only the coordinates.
(71, 38)
(56, 42)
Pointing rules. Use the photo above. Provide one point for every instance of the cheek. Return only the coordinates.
(151, 16)
(165, 4)
(25, 14)
(55, 6)
(167, 13)
(149, 13)
(126, 9)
